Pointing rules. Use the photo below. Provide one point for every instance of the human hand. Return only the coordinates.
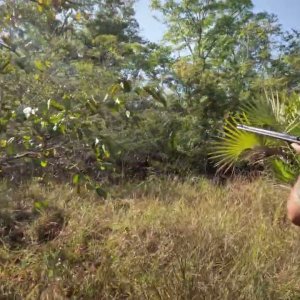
(293, 203)
(296, 147)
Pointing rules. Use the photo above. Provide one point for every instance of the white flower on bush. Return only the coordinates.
(28, 111)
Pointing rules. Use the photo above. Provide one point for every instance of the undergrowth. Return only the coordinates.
(160, 239)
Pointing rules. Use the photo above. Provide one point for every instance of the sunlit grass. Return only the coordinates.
(160, 239)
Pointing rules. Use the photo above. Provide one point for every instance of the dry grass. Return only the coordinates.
(160, 239)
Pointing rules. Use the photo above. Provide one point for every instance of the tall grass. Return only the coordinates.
(161, 239)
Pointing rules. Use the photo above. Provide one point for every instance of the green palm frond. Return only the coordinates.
(228, 150)
(277, 107)
(291, 113)
(259, 113)
(266, 112)
(279, 112)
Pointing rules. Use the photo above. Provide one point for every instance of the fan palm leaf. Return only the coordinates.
(233, 145)
(228, 149)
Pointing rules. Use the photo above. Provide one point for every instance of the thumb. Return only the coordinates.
(296, 147)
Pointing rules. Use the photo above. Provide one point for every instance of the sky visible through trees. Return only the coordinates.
(286, 10)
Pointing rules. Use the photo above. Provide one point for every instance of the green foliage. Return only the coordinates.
(230, 148)
(83, 93)
(56, 106)
(228, 56)
(276, 113)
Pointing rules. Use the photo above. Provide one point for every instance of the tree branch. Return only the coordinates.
(9, 48)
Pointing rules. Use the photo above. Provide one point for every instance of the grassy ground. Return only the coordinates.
(160, 239)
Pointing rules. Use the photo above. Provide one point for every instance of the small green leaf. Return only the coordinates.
(56, 118)
(3, 143)
(44, 163)
(53, 103)
(105, 151)
(77, 17)
(39, 65)
(114, 89)
(39, 205)
(76, 179)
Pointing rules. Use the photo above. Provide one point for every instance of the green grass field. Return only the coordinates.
(160, 239)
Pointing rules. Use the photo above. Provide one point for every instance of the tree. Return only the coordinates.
(226, 57)
(64, 85)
